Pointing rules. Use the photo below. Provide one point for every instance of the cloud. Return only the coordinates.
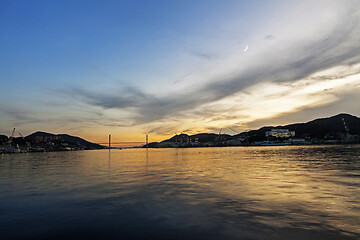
(123, 98)
(268, 37)
(201, 55)
(20, 114)
(295, 54)
(345, 104)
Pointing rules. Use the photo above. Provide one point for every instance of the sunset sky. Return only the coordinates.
(130, 68)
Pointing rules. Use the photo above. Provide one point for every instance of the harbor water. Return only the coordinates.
(277, 192)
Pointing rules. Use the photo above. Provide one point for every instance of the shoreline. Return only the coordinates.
(274, 145)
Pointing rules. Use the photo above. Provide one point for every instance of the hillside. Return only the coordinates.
(322, 129)
(201, 137)
(61, 139)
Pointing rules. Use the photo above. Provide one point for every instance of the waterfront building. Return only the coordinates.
(280, 133)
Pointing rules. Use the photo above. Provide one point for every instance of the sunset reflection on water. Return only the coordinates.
(200, 193)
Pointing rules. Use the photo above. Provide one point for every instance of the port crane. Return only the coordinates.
(347, 136)
(11, 137)
(219, 138)
(234, 130)
(27, 143)
(346, 127)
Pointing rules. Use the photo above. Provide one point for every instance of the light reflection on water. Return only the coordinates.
(202, 193)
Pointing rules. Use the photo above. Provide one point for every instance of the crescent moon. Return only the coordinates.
(246, 48)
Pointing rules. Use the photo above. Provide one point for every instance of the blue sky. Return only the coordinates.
(159, 67)
(59, 42)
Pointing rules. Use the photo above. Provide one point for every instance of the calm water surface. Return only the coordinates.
(286, 192)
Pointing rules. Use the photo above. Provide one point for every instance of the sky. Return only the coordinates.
(131, 68)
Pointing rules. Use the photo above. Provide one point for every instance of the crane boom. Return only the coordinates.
(12, 134)
(11, 137)
(28, 145)
(234, 130)
(345, 126)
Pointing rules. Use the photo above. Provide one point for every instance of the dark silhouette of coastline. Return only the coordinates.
(45, 142)
(339, 129)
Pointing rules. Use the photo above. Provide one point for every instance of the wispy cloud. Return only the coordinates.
(294, 55)
(269, 37)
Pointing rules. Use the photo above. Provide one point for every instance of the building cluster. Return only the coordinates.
(280, 133)
(43, 144)
(181, 140)
(39, 139)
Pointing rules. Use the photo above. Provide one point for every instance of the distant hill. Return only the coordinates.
(3, 139)
(331, 128)
(201, 137)
(322, 128)
(65, 139)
